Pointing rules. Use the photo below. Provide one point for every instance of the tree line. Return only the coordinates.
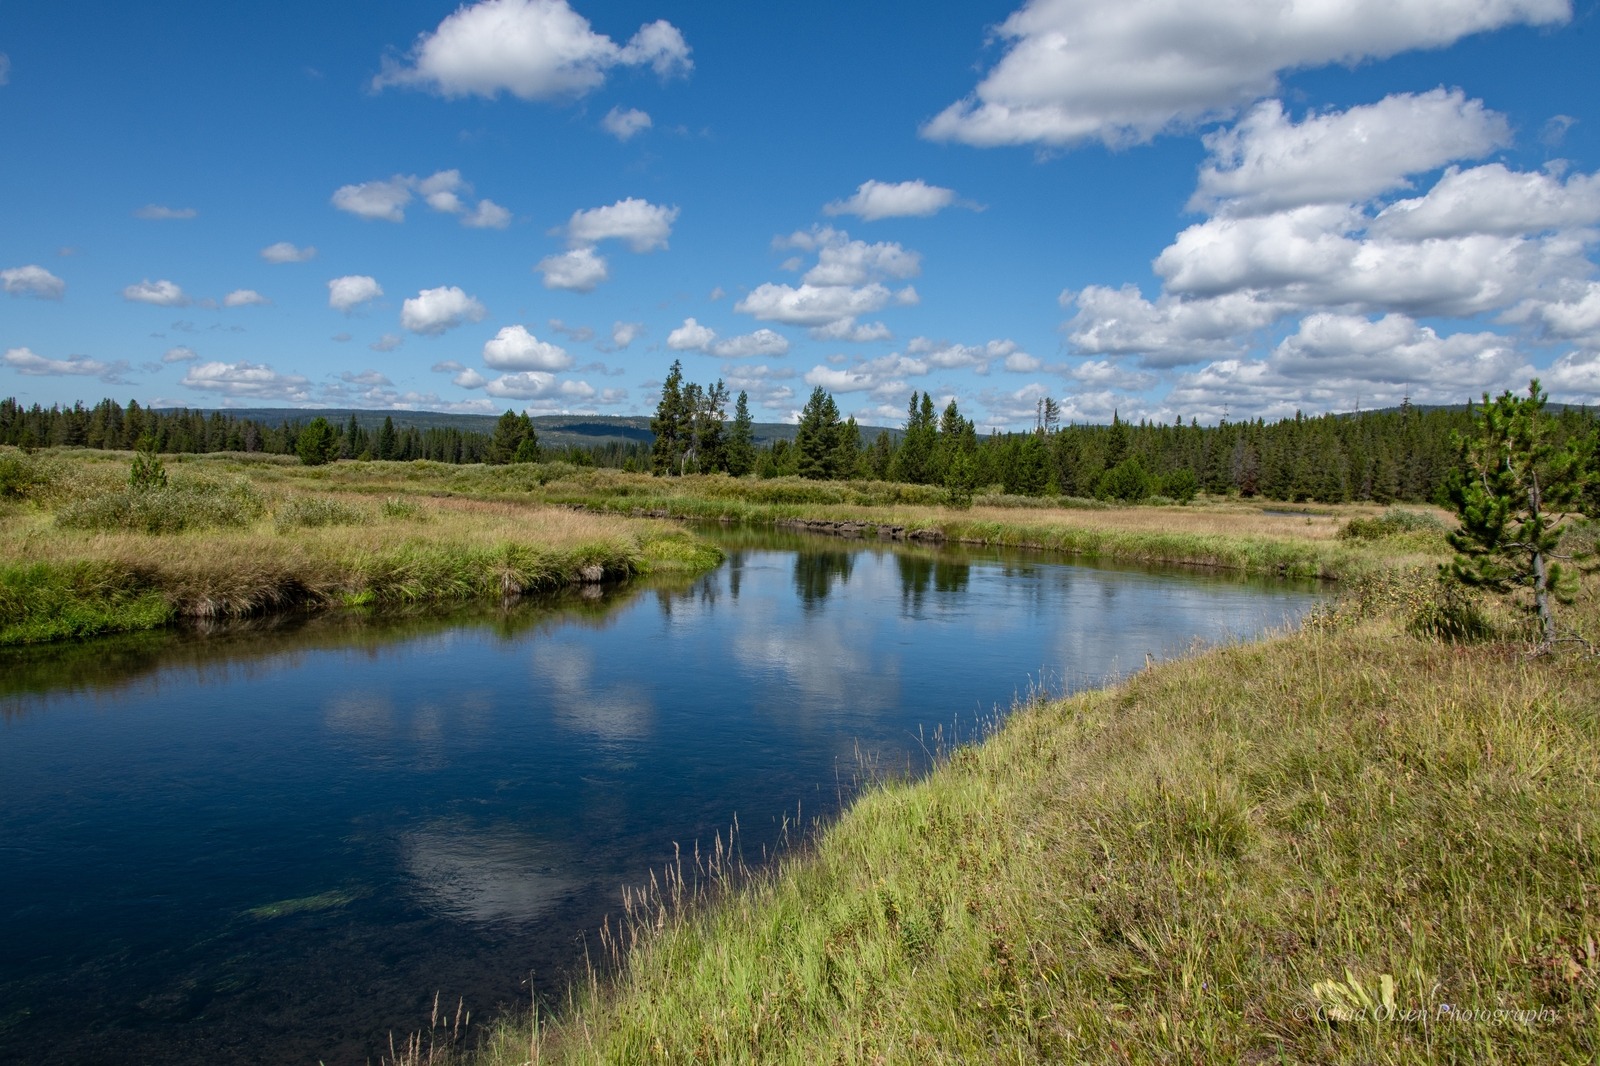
(1407, 454)
(109, 424)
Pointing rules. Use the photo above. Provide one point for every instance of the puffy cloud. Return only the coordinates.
(1022, 363)
(160, 213)
(443, 192)
(532, 49)
(624, 124)
(255, 381)
(244, 298)
(645, 226)
(538, 385)
(625, 333)
(468, 378)
(161, 293)
(514, 348)
(882, 377)
(33, 281)
(1339, 362)
(1076, 70)
(846, 282)
(1576, 317)
(387, 343)
(812, 305)
(351, 291)
(1311, 257)
(385, 200)
(693, 337)
(284, 252)
(848, 329)
(880, 199)
(846, 262)
(487, 215)
(25, 361)
(1574, 378)
(1268, 163)
(1491, 199)
(180, 354)
(369, 378)
(433, 311)
(943, 356)
(579, 270)
(1169, 332)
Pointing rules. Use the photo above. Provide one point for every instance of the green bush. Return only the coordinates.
(1392, 523)
(171, 508)
(20, 475)
(400, 507)
(309, 512)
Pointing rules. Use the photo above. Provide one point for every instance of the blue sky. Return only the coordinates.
(1154, 207)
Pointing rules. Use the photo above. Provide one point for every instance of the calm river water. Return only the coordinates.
(276, 842)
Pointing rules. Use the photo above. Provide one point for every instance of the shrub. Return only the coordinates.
(20, 475)
(310, 512)
(1392, 523)
(399, 507)
(168, 509)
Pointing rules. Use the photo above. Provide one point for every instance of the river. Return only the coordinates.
(277, 841)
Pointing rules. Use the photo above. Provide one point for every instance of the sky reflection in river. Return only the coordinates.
(282, 839)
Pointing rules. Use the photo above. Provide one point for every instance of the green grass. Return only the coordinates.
(1207, 863)
(82, 553)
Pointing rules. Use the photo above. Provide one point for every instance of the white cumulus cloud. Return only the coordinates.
(25, 361)
(255, 381)
(161, 293)
(1077, 70)
(284, 252)
(487, 215)
(579, 270)
(1268, 163)
(433, 311)
(351, 291)
(538, 385)
(532, 49)
(514, 348)
(244, 298)
(880, 199)
(33, 280)
(1492, 199)
(624, 124)
(645, 226)
(625, 333)
(693, 337)
(181, 353)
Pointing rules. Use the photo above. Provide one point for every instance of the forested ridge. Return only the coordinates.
(1406, 454)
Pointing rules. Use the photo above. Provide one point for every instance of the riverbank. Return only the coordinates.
(84, 554)
(233, 535)
(1343, 844)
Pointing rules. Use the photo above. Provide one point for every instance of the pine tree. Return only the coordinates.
(670, 425)
(817, 439)
(1512, 496)
(741, 450)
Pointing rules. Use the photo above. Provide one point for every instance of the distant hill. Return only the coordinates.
(555, 431)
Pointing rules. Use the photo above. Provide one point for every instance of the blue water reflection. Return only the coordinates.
(277, 842)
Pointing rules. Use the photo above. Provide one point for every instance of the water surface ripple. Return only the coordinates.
(276, 842)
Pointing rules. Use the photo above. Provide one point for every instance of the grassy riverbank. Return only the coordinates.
(1342, 844)
(1244, 535)
(84, 554)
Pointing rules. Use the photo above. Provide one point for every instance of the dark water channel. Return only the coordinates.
(276, 842)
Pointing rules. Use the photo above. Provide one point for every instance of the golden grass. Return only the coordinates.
(1341, 845)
